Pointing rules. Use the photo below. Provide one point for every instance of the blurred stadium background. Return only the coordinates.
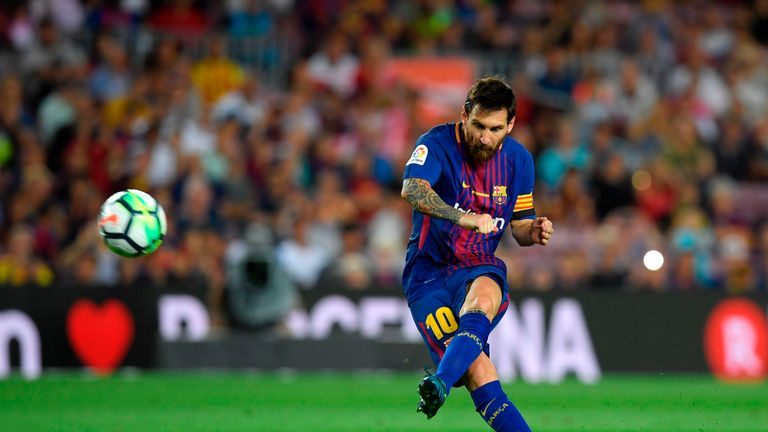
(274, 133)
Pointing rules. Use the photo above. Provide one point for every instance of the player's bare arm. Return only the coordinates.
(528, 232)
(423, 198)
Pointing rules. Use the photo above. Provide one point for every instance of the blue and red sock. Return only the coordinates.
(464, 348)
(495, 408)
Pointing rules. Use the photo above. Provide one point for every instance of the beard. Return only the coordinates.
(479, 152)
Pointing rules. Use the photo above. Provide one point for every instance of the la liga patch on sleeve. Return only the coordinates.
(419, 155)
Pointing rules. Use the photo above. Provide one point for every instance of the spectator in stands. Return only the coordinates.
(20, 265)
(21, 30)
(611, 185)
(567, 152)
(730, 150)
(300, 258)
(352, 268)
(757, 167)
(249, 19)
(635, 95)
(179, 17)
(68, 15)
(197, 205)
(249, 103)
(334, 67)
(110, 78)
(52, 60)
(216, 75)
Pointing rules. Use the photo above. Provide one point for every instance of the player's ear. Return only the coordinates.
(510, 125)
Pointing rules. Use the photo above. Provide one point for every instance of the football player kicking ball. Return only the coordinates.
(467, 182)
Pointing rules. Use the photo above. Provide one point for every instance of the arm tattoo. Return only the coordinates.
(424, 199)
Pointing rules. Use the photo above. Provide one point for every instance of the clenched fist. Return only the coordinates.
(479, 223)
(541, 230)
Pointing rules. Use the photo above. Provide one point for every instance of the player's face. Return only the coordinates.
(484, 132)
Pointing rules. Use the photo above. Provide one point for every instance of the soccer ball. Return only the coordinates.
(132, 223)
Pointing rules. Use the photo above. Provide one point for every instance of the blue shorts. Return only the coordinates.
(437, 309)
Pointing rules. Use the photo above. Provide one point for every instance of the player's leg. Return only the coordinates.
(491, 402)
(436, 323)
(479, 307)
(477, 312)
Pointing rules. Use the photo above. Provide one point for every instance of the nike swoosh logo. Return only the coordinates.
(482, 413)
(464, 185)
(429, 280)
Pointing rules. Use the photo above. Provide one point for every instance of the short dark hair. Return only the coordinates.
(491, 94)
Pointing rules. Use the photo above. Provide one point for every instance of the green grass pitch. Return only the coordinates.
(336, 402)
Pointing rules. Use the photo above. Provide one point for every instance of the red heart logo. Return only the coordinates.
(101, 335)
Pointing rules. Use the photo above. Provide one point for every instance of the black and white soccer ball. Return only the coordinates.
(132, 223)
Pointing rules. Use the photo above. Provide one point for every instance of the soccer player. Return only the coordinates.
(467, 182)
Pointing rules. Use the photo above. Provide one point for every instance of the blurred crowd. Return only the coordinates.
(648, 121)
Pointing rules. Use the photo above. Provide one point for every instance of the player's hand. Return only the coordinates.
(479, 223)
(541, 230)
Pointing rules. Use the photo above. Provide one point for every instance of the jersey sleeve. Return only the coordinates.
(527, 177)
(425, 162)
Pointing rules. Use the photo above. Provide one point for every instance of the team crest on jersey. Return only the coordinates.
(419, 155)
(499, 194)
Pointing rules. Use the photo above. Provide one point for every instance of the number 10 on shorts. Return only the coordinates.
(442, 321)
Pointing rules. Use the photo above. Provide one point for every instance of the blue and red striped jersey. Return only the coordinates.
(501, 187)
